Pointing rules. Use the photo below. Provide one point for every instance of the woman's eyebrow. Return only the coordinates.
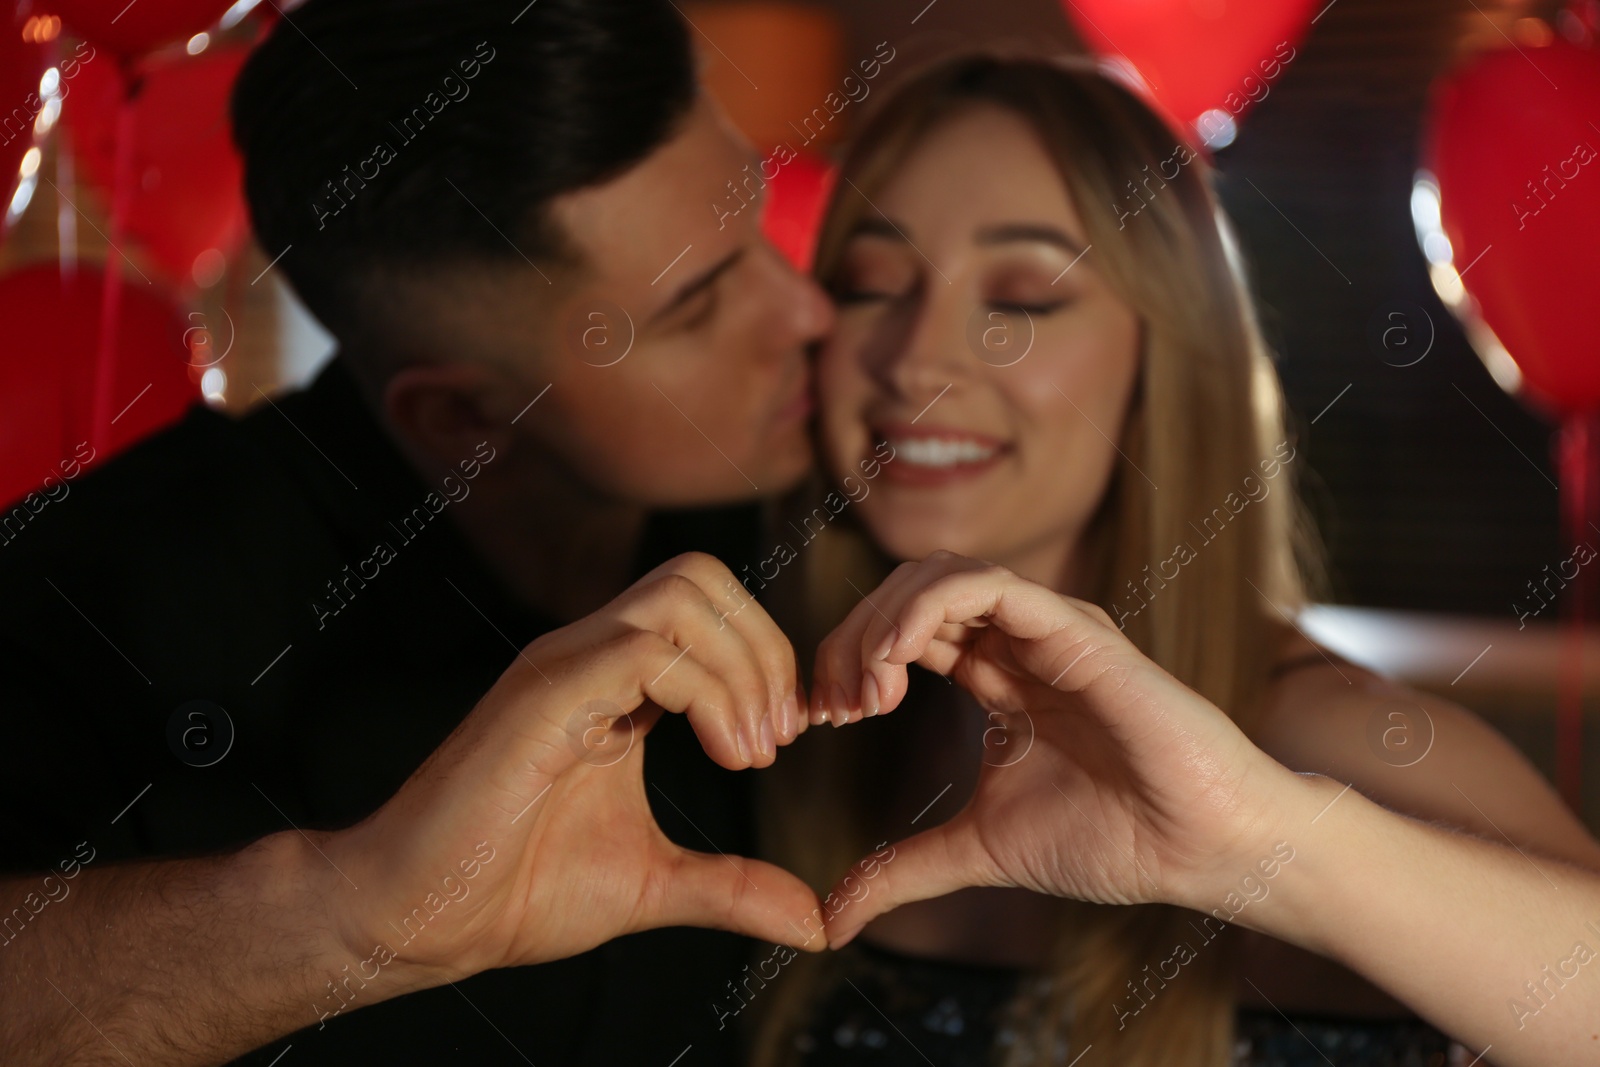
(880, 226)
(1028, 231)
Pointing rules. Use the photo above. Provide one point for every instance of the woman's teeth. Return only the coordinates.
(939, 451)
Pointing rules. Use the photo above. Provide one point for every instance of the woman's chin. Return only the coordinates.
(905, 542)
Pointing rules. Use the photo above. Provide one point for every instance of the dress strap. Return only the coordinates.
(1309, 659)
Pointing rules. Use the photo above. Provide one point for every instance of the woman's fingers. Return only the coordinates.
(1062, 642)
(931, 864)
(851, 661)
(978, 593)
(849, 685)
(929, 612)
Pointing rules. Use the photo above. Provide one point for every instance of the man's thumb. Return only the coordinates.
(741, 895)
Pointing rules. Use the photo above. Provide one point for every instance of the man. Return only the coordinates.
(251, 635)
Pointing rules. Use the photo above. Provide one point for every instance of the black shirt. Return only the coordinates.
(196, 567)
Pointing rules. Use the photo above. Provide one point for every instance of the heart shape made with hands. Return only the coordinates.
(1128, 785)
(1104, 778)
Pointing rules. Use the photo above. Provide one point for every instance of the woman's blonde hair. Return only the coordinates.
(1202, 446)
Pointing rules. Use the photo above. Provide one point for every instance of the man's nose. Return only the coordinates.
(805, 312)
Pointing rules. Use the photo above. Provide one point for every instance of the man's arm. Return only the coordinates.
(179, 961)
(525, 837)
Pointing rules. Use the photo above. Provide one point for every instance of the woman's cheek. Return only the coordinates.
(839, 407)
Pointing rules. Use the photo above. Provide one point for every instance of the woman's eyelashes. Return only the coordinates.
(866, 290)
(868, 277)
(845, 296)
(1041, 308)
(1023, 288)
(870, 273)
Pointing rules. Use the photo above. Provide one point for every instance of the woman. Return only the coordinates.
(1045, 359)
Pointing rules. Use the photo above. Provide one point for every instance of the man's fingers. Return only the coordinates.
(745, 896)
(739, 610)
(737, 607)
(931, 864)
(734, 639)
(642, 665)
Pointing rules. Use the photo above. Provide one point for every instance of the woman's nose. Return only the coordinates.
(928, 350)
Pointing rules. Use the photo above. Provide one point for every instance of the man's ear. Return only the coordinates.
(446, 410)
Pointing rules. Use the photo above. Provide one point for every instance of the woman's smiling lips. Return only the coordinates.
(931, 456)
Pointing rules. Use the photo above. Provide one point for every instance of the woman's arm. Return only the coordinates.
(1497, 946)
(1135, 789)
(1421, 755)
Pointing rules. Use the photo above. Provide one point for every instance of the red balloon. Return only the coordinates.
(1197, 55)
(797, 197)
(185, 174)
(22, 63)
(46, 379)
(133, 29)
(1518, 166)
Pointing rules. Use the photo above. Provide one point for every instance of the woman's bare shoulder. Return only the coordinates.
(1412, 751)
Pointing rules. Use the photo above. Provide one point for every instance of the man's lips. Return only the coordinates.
(799, 405)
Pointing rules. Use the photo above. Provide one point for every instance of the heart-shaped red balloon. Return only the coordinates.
(133, 29)
(22, 63)
(1197, 55)
(185, 176)
(1514, 144)
(796, 200)
(52, 336)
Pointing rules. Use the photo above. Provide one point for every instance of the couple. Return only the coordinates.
(1107, 792)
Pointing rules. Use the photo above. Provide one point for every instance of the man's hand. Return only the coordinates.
(1135, 788)
(525, 837)
(539, 793)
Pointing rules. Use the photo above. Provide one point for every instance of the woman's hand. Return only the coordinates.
(1124, 786)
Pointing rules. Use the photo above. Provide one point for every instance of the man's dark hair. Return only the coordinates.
(486, 110)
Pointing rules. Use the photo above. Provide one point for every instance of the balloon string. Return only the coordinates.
(105, 370)
(1579, 440)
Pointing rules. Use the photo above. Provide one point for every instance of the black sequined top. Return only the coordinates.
(887, 1009)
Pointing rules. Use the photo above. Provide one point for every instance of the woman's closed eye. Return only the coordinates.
(870, 273)
(847, 295)
(1026, 288)
(1039, 308)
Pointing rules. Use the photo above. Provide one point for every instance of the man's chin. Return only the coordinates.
(741, 480)
(786, 479)
(782, 470)
(766, 485)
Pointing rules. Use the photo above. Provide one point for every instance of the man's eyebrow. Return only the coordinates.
(697, 284)
(1028, 231)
